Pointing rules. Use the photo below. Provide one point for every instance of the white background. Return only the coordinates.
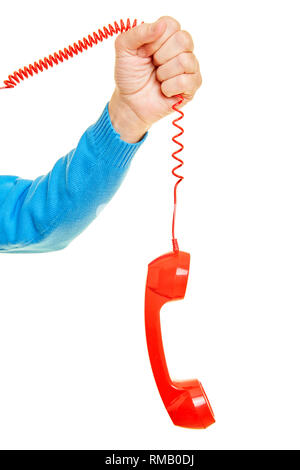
(74, 370)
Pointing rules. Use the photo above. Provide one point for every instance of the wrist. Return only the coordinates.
(125, 121)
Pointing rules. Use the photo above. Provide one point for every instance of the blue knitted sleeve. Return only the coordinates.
(48, 213)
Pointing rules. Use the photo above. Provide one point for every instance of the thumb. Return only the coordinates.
(140, 35)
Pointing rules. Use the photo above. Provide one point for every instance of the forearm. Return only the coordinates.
(47, 213)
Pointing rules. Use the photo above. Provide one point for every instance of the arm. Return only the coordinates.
(47, 213)
(154, 63)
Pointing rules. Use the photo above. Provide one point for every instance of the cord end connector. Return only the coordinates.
(175, 245)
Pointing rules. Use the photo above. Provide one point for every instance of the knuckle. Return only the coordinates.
(181, 60)
(185, 61)
(184, 39)
(199, 80)
(196, 66)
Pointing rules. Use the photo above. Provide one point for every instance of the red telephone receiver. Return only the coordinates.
(186, 401)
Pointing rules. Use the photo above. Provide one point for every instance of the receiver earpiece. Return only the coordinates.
(186, 401)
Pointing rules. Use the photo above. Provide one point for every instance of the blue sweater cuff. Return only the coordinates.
(115, 151)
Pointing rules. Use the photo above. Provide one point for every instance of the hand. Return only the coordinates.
(154, 63)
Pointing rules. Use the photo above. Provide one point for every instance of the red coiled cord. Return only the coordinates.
(175, 156)
(81, 45)
(68, 52)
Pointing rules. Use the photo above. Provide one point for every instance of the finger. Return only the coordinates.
(140, 35)
(180, 42)
(182, 63)
(186, 85)
(172, 26)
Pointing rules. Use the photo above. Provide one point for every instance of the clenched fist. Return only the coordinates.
(154, 63)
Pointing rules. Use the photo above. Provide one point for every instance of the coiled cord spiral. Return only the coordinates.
(82, 45)
(174, 171)
(68, 52)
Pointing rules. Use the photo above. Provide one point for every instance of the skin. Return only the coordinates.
(154, 63)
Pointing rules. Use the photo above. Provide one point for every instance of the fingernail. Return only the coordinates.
(158, 26)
